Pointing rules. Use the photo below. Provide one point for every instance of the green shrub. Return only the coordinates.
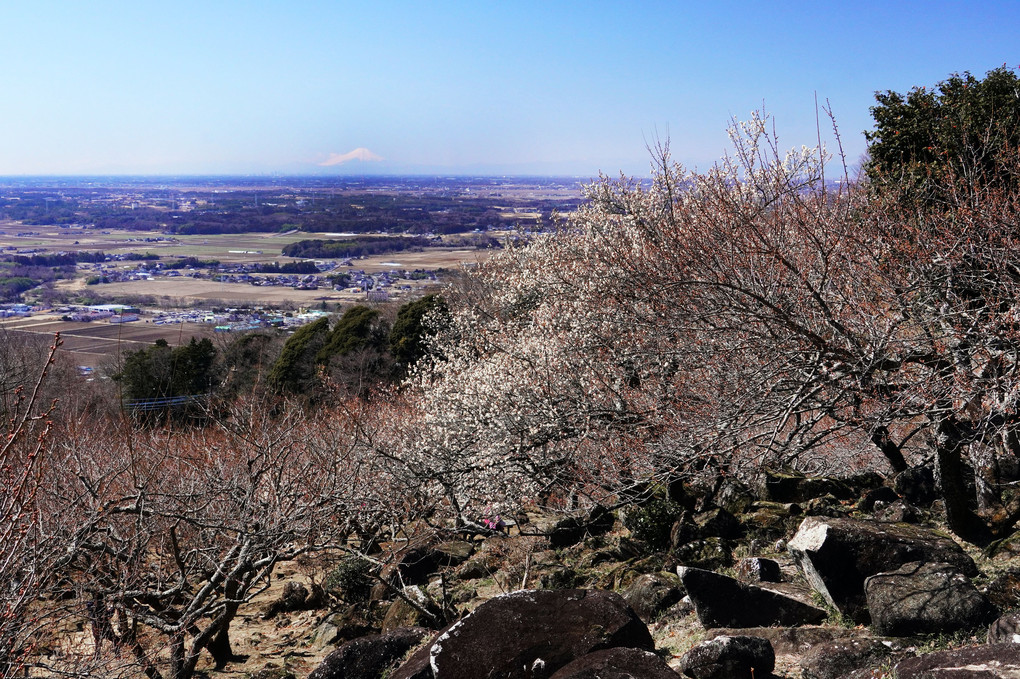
(350, 580)
(653, 521)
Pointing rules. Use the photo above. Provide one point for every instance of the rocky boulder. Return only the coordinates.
(571, 530)
(837, 555)
(617, 663)
(1004, 590)
(453, 552)
(729, 658)
(771, 521)
(1006, 548)
(708, 553)
(920, 598)
(414, 609)
(916, 485)
(757, 569)
(683, 532)
(827, 505)
(651, 594)
(718, 523)
(1005, 630)
(344, 625)
(788, 640)
(993, 661)
(734, 496)
(883, 494)
(835, 659)
(529, 635)
(368, 657)
(293, 598)
(793, 486)
(897, 512)
(414, 566)
(721, 601)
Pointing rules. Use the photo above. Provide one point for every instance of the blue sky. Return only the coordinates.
(217, 86)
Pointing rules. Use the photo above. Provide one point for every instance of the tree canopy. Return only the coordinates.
(295, 368)
(416, 322)
(965, 129)
(151, 378)
(356, 330)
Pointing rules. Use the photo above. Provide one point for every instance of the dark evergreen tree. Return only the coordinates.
(357, 329)
(296, 368)
(407, 341)
(965, 129)
(355, 356)
(161, 379)
(247, 361)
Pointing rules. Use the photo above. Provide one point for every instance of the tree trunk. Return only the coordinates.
(177, 668)
(219, 646)
(962, 520)
(881, 438)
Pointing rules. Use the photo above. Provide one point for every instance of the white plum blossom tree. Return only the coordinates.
(750, 314)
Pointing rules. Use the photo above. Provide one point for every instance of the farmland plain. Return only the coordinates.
(207, 244)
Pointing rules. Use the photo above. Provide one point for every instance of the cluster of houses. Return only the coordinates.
(352, 280)
(226, 320)
(113, 313)
(298, 282)
(15, 310)
(235, 320)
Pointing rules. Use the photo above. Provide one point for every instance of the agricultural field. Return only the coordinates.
(211, 244)
(227, 248)
(101, 343)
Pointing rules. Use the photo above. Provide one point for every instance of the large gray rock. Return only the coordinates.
(1004, 590)
(793, 486)
(920, 598)
(651, 594)
(897, 512)
(882, 494)
(707, 553)
(344, 625)
(291, 599)
(837, 554)
(424, 612)
(729, 658)
(992, 661)
(529, 635)
(617, 663)
(417, 565)
(454, 552)
(718, 523)
(1005, 630)
(757, 569)
(835, 659)
(788, 640)
(571, 530)
(721, 601)
(734, 496)
(368, 657)
(916, 485)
